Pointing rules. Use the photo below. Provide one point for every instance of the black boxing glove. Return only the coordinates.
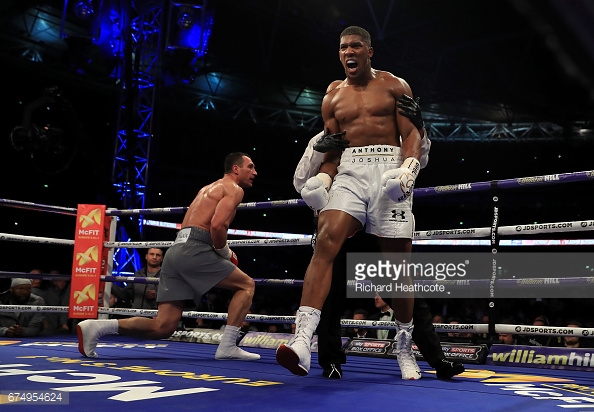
(411, 109)
(331, 142)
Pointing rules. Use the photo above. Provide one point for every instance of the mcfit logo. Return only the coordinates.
(87, 293)
(93, 217)
(91, 254)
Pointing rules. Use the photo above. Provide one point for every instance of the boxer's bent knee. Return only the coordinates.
(328, 244)
(249, 286)
(164, 331)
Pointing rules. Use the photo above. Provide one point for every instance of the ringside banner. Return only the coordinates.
(88, 261)
(476, 354)
(471, 275)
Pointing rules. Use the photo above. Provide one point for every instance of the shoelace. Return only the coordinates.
(405, 356)
(405, 340)
(300, 337)
(407, 362)
(334, 371)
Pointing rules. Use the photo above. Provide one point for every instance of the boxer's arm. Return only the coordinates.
(222, 217)
(411, 108)
(309, 164)
(331, 126)
(425, 148)
(411, 138)
(398, 183)
(330, 163)
(316, 188)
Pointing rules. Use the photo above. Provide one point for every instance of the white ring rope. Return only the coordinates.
(534, 228)
(233, 243)
(506, 242)
(35, 239)
(347, 323)
(577, 281)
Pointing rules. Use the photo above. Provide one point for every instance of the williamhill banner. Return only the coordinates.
(542, 357)
(88, 261)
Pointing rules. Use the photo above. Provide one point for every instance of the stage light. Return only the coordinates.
(185, 19)
(80, 18)
(189, 26)
(83, 9)
(49, 133)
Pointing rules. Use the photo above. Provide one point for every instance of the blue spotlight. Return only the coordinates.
(185, 19)
(83, 9)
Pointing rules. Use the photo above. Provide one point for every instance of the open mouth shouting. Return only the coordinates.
(351, 65)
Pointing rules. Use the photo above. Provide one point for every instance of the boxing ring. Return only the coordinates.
(163, 374)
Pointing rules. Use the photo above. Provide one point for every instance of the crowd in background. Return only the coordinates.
(268, 301)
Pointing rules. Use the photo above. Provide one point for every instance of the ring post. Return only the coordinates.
(494, 244)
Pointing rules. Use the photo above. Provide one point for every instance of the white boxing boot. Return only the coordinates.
(228, 349)
(296, 355)
(89, 331)
(406, 358)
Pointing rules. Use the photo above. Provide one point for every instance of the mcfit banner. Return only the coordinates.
(88, 261)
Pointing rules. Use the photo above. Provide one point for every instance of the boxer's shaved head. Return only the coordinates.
(357, 31)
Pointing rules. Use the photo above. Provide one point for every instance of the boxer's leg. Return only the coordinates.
(239, 306)
(429, 343)
(334, 227)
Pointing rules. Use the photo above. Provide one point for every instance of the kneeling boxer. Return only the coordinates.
(199, 260)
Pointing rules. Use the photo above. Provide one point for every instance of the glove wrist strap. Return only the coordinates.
(326, 179)
(413, 165)
(224, 251)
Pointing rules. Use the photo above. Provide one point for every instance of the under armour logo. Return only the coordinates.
(396, 213)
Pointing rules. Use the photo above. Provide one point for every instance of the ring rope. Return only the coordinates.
(573, 226)
(17, 204)
(472, 283)
(133, 279)
(454, 233)
(424, 240)
(234, 243)
(506, 242)
(35, 239)
(514, 283)
(348, 323)
(534, 228)
(542, 180)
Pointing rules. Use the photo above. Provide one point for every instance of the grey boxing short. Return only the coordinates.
(191, 267)
(357, 191)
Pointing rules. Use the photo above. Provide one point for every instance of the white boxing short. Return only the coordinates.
(357, 191)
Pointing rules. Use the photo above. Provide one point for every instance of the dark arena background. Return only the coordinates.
(134, 105)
